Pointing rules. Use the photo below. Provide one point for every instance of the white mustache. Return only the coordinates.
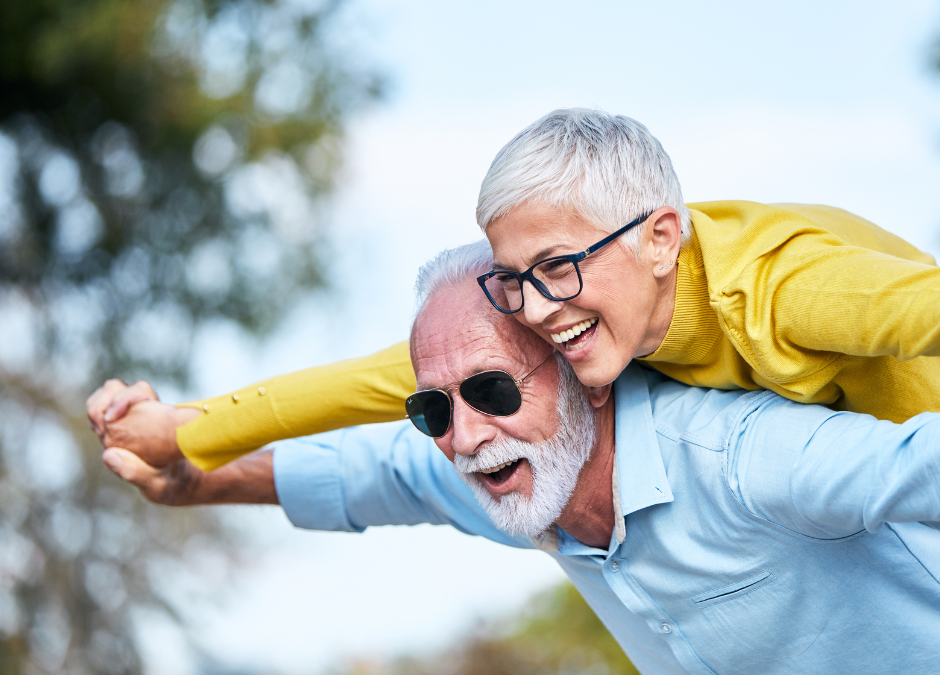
(495, 453)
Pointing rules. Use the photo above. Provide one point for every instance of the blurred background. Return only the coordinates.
(204, 193)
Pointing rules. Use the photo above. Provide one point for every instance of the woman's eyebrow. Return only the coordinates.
(541, 255)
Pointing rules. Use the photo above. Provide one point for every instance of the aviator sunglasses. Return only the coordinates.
(493, 392)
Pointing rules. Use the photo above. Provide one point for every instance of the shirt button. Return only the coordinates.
(614, 566)
(665, 627)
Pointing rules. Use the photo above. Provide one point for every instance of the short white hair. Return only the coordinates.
(607, 169)
(450, 267)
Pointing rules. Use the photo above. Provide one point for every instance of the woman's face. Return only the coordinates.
(618, 314)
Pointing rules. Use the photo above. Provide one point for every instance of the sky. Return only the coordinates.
(830, 103)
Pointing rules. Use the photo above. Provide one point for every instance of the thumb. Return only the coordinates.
(129, 466)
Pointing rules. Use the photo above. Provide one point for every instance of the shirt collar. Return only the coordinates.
(639, 474)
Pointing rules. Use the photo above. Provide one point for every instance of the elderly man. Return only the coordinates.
(711, 531)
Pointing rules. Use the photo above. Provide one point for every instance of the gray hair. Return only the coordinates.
(451, 267)
(608, 169)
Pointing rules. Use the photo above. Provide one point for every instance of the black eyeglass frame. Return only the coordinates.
(456, 385)
(573, 258)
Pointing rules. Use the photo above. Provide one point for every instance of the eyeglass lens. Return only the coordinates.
(555, 279)
(491, 393)
(429, 411)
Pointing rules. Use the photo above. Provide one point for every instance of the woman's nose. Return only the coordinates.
(537, 307)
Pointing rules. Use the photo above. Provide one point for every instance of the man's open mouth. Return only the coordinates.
(501, 472)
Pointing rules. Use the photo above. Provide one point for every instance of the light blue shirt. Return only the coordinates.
(760, 535)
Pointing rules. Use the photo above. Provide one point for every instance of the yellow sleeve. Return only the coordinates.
(358, 391)
(797, 307)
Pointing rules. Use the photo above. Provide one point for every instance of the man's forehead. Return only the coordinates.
(457, 333)
(448, 351)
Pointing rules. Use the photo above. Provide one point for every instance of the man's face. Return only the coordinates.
(523, 468)
(618, 296)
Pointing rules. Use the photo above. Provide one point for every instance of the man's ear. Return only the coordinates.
(598, 395)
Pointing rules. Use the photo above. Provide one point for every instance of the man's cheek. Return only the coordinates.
(446, 449)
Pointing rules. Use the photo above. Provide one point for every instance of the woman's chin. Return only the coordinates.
(593, 373)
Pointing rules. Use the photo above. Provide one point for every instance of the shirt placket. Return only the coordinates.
(635, 598)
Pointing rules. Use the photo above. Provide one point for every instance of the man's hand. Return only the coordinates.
(176, 484)
(247, 480)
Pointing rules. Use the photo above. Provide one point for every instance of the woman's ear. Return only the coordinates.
(665, 237)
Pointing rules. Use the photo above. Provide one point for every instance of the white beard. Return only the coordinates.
(556, 463)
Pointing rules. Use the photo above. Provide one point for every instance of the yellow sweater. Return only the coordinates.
(815, 303)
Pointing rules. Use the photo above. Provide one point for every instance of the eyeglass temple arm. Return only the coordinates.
(525, 377)
(609, 238)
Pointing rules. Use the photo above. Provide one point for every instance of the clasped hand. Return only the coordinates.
(138, 434)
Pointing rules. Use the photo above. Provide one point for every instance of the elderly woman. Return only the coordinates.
(595, 250)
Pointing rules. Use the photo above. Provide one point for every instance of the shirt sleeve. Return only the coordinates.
(386, 474)
(829, 475)
(357, 391)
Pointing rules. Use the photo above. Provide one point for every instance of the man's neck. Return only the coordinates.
(589, 515)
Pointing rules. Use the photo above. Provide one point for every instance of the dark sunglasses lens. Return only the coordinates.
(429, 411)
(492, 393)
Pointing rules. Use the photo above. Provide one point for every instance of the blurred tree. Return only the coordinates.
(558, 635)
(161, 164)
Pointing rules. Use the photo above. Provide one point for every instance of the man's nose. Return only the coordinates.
(470, 428)
(536, 307)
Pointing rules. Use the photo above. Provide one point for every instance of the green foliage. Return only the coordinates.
(108, 103)
(162, 164)
(558, 634)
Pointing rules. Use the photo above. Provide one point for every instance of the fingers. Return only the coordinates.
(128, 466)
(177, 484)
(99, 401)
(125, 398)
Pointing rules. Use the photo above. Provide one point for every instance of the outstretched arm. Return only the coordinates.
(248, 480)
(830, 475)
(214, 431)
(857, 301)
(347, 393)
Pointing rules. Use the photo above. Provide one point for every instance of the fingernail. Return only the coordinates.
(107, 414)
(112, 460)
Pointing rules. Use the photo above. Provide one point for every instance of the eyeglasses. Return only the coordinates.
(557, 278)
(493, 392)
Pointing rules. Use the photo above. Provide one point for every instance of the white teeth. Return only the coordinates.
(496, 468)
(565, 335)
